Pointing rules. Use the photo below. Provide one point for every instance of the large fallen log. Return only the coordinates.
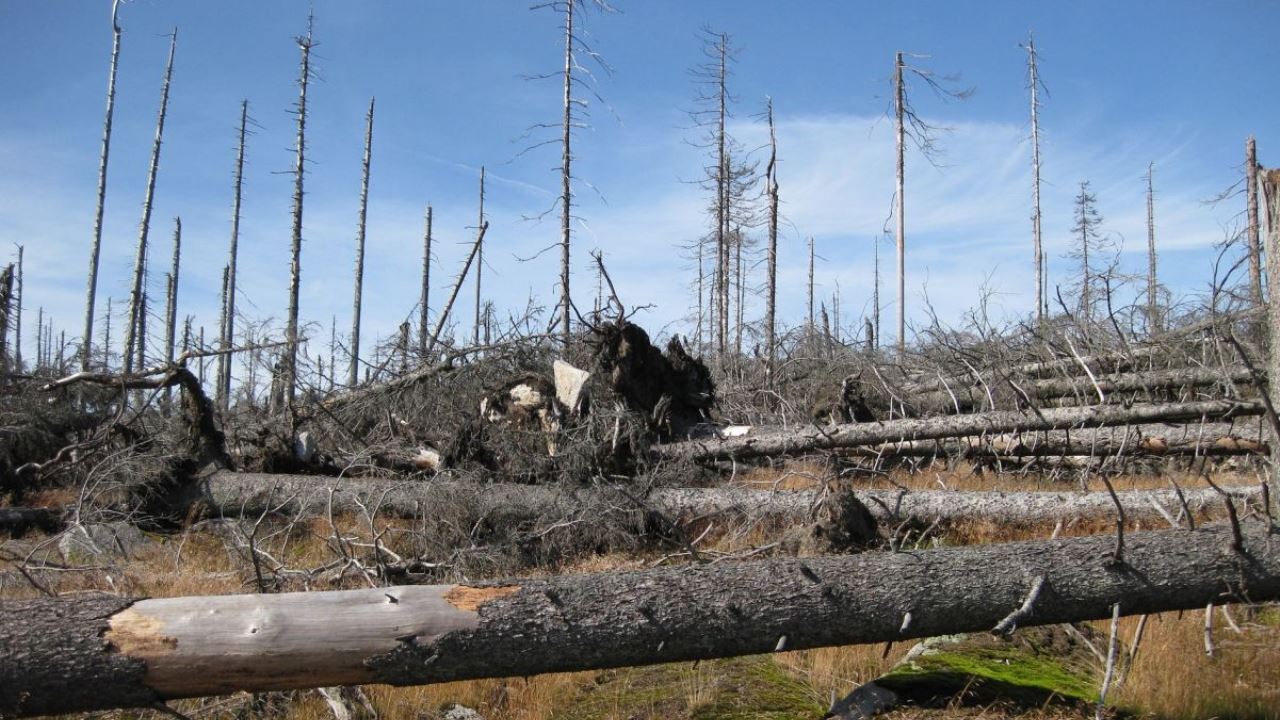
(1105, 362)
(966, 394)
(772, 442)
(229, 493)
(1153, 439)
(101, 652)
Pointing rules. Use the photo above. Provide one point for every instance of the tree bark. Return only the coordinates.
(771, 188)
(775, 442)
(95, 653)
(251, 494)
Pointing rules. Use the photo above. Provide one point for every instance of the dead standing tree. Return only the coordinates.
(475, 339)
(134, 329)
(909, 124)
(424, 302)
(577, 82)
(1090, 240)
(227, 336)
(1154, 319)
(771, 189)
(353, 372)
(1034, 84)
(86, 342)
(171, 300)
(289, 361)
(1251, 218)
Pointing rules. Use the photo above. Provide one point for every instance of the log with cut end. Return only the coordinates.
(773, 442)
(95, 653)
(228, 493)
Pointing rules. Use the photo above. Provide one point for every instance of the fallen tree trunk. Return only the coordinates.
(228, 493)
(1154, 439)
(96, 653)
(15, 521)
(1106, 362)
(965, 394)
(773, 442)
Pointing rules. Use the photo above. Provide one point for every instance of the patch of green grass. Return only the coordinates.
(731, 689)
(1011, 674)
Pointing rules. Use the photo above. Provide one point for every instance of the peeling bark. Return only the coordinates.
(99, 653)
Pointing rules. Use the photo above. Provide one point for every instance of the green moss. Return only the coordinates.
(988, 673)
(750, 687)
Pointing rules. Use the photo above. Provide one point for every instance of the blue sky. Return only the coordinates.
(1178, 83)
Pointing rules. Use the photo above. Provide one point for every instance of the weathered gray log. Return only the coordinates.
(86, 654)
(231, 493)
(966, 394)
(772, 442)
(1153, 439)
(1105, 362)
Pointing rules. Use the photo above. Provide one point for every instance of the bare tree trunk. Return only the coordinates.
(1154, 322)
(289, 374)
(812, 319)
(99, 652)
(143, 317)
(875, 297)
(91, 291)
(475, 340)
(566, 177)
(1269, 182)
(899, 92)
(771, 187)
(6, 303)
(171, 301)
(1253, 237)
(762, 442)
(39, 338)
(722, 203)
(462, 276)
(221, 399)
(741, 292)
(1041, 302)
(17, 315)
(424, 303)
(137, 319)
(106, 338)
(228, 334)
(353, 372)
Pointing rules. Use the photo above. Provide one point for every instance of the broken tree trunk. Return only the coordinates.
(773, 442)
(100, 652)
(251, 494)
